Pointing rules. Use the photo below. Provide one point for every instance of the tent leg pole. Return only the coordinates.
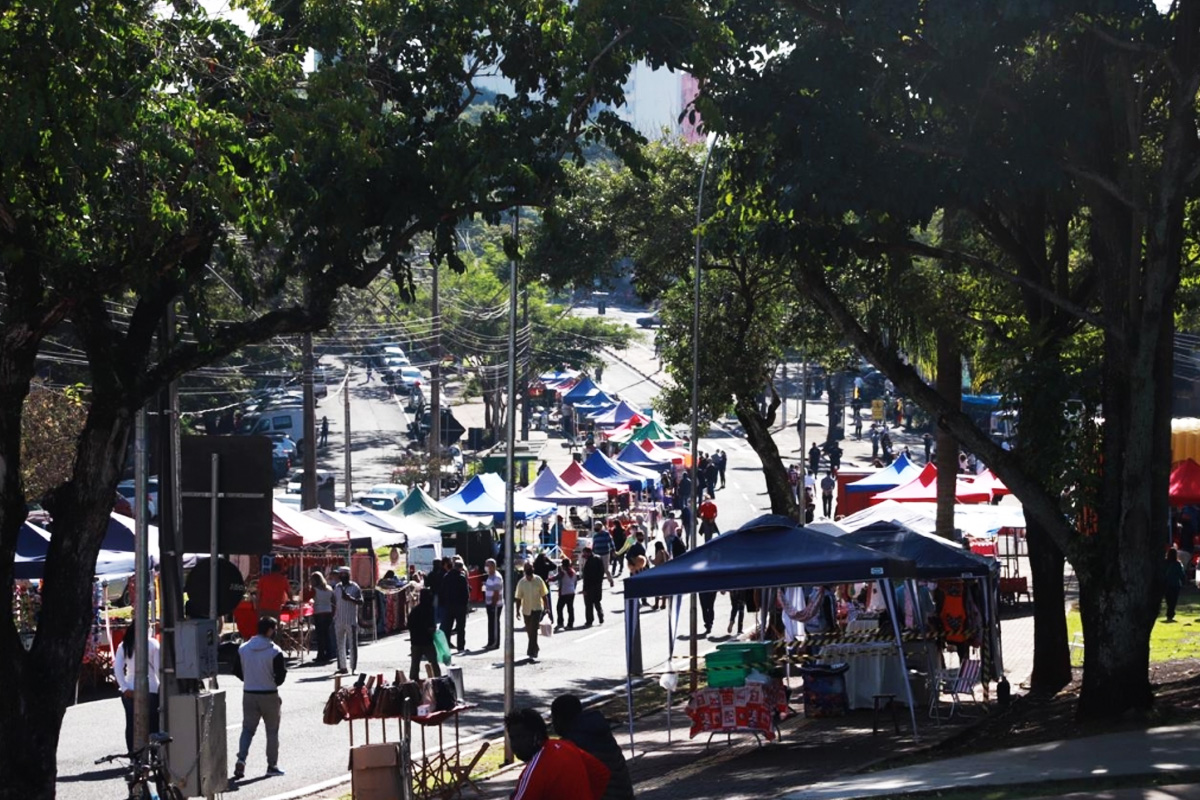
(630, 609)
(889, 597)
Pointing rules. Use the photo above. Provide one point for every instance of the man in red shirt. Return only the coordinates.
(554, 768)
(273, 592)
(708, 520)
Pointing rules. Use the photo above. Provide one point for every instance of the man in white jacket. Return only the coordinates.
(262, 668)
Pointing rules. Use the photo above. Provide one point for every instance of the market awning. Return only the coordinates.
(420, 507)
(604, 468)
(549, 488)
(585, 389)
(484, 495)
(768, 551)
(987, 481)
(934, 556)
(898, 473)
(620, 414)
(391, 529)
(923, 489)
(293, 529)
(1185, 483)
(581, 480)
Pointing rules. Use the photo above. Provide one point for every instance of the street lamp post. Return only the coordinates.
(694, 500)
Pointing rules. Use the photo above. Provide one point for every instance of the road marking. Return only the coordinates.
(591, 636)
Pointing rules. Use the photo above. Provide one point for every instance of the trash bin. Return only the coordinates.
(825, 690)
(475, 580)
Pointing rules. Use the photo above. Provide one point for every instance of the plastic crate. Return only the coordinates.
(726, 669)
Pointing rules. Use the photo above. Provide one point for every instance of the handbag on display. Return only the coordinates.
(385, 700)
(444, 696)
(335, 707)
(358, 702)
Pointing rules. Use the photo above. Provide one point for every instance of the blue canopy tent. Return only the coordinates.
(937, 557)
(484, 495)
(33, 545)
(635, 456)
(619, 413)
(629, 475)
(769, 551)
(596, 404)
(549, 488)
(584, 390)
(898, 473)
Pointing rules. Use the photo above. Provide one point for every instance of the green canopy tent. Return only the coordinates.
(421, 508)
(652, 431)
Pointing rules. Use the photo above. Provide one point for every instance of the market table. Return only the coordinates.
(754, 708)
(294, 629)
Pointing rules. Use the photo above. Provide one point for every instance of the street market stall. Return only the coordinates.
(767, 553)
(923, 489)
(483, 495)
(637, 478)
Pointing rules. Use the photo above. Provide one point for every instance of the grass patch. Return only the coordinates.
(1169, 641)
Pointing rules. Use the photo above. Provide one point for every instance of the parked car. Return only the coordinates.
(295, 481)
(408, 378)
(383, 496)
(126, 490)
(276, 420)
(652, 321)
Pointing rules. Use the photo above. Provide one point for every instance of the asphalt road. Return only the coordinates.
(583, 661)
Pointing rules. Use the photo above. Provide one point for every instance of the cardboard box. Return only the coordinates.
(375, 772)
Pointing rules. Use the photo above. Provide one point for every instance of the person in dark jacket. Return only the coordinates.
(591, 733)
(434, 581)
(593, 587)
(420, 633)
(453, 598)
(542, 567)
(262, 668)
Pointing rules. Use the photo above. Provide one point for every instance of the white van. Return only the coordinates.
(289, 420)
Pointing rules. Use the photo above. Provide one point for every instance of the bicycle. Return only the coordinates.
(146, 768)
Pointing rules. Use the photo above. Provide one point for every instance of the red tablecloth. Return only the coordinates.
(745, 708)
(289, 615)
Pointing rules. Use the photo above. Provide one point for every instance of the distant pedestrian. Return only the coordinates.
(567, 578)
(927, 441)
(455, 597)
(722, 461)
(324, 431)
(542, 567)
(262, 668)
(532, 598)
(708, 520)
(828, 483)
(602, 548)
(1174, 579)
(123, 672)
(814, 459)
(493, 601)
(347, 597)
(421, 626)
(322, 596)
(593, 587)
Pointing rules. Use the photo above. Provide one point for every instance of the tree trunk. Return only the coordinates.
(1051, 656)
(758, 435)
(949, 386)
(39, 684)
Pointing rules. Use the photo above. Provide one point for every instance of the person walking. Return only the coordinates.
(927, 441)
(567, 578)
(421, 627)
(1173, 583)
(593, 587)
(722, 461)
(542, 567)
(324, 432)
(455, 597)
(322, 596)
(262, 668)
(532, 598)
(814, 459)
(493, 602)
(828, 483)
(660, 558)
(123, 672)
(737, 609)
(602, 548)
(347, 597)
(708, 520)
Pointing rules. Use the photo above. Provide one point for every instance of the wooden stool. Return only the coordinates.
(889, 705)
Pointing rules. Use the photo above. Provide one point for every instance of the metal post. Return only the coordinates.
(308, 487)
(803, 434)
(510, 550)
(213, 534)
(349, 481)
(693, 655)
(141, 609)
(783, 421)
(435, 395)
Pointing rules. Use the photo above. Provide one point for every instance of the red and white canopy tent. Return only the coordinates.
(584, 482)
(923, 489)
(1185, 483)
(294, 530)
(988, 481)
(677, 455)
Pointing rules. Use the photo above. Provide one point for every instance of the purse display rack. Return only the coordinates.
(440, 774)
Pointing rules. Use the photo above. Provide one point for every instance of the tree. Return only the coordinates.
(146, 153)
(50, 425)
(1037, 122)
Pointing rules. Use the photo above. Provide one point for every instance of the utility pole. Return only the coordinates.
(141, 606)
(308, 487)
(783, 421)
(510, 550)
(803, 437)
(170, 530)
(435, 395)
(346, 438)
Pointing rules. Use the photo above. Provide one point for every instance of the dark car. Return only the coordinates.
(652, 321)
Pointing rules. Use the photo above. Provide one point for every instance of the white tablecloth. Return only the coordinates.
(874, 669)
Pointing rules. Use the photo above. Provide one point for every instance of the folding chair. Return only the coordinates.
(958, 683)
